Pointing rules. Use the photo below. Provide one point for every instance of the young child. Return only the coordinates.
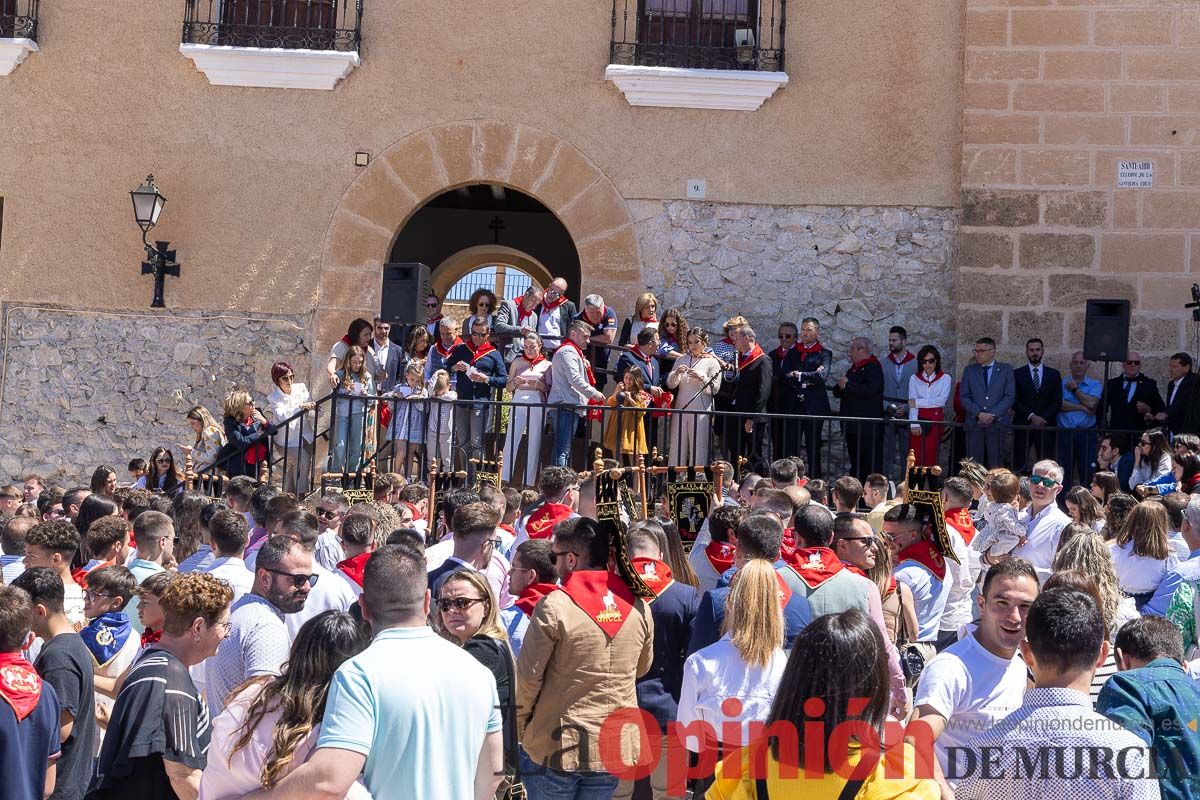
(628, 425)
(1002, 533)
(137, 473)
(407, 431)
(150, 613)
(109, 636)
(439, 431)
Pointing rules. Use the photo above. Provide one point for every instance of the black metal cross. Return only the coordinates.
(496, 225)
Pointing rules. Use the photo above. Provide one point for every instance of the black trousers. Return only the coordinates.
(864, 447)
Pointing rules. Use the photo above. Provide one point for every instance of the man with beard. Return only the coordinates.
(980, 679)
(258, 640)
(898, 367)
(1036, 404)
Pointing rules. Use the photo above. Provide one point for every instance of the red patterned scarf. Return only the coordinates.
(445, 352)
(960, 520)
(925, 554)
(603, 596)
(531, 594)
(815, 565)
(746, 360)
(804, 349)
(654, 573)
(720, 555)
(20, 685)
(541, 522)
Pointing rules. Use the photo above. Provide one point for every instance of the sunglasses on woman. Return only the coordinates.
(457, 603)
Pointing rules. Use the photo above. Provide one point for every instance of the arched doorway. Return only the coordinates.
(487, 226)
(402, 179)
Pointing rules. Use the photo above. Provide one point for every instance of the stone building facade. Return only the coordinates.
(942, 165)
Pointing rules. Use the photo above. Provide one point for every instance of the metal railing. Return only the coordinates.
(699, 34)
(18, 19)
(287, 24)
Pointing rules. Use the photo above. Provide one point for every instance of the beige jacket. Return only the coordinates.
(570, 678)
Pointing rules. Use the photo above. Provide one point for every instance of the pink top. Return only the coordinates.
(228, 778)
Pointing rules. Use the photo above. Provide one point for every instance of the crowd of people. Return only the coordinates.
(544, 383)
(814, 638)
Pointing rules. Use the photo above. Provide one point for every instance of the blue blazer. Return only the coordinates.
(392, 367)
(673, 612)
(994, 397)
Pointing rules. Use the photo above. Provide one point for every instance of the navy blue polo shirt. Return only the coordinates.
(26, 747)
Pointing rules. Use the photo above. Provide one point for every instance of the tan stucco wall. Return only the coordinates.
(253, 176)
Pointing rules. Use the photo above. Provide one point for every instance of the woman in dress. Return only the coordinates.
(246, 431)
(928, 392)
(271, 724)
(206, 447)
(628, 426)
(695, 379)
(467, 616)
(164, 475)
(1142, 553)
(747, 663)
(294, 440)
(407, 429)
(482, 306)
(439, 420)
(529, 382)
(816, 695)
(355, 383)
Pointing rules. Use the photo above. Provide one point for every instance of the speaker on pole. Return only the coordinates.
(1106, 330)
(405, 287)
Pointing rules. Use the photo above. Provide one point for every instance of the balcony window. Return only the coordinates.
(699, 34)
(18, 32)
(282, 44)
(710, 54)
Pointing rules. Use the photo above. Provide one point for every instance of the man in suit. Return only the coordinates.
(1181, 396)
(1132, 399)
(1037, 403)
(988, 393)
(898, 367)
(388, 356)
(861, 393)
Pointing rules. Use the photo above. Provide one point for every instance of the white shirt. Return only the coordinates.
(496, 573)
(1139, 574)
(340, 348)
(928, 395)
(329, 550)
(283, 406)
(330, 592)
(929, 597)
(960, 607)
(232, 570)
(972, 689)
(1042, 533)
(717, 672)
(549, 325)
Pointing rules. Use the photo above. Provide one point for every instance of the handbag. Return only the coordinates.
(663, 403)
(912, 658)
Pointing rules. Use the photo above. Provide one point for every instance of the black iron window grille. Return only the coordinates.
(18, 19)
(700, 34)
(288, 24)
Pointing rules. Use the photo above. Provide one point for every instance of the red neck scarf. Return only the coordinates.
(925, 554)
(508, 528)
(430, 320)
(535, 360)
(805, 349)
(587, 365)
(479, 352)
(20, 685)
(521, 312)
(445, 352)
(652, 321)
(353, 568)
(815, 565)
(654, 573)
(720, 556)
(780, 352)
(545, 307)
(787, 548)
(541, 522)
(150, 637)
(907, 357)
(601, 595)
(746, 360)
(960, 520)
(531, 594)
(864, 362)
(636, 352)
(937, 376)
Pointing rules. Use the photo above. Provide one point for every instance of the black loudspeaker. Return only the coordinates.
(405, 287)
(1106, 330)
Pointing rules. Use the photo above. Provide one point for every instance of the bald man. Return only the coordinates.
(1131, 397)
(555, 313)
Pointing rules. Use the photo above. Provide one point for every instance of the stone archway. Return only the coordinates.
(466, 261)
(424, 164)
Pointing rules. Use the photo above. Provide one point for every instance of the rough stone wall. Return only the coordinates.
(82, 388)
(859, 270)
(1055, 97)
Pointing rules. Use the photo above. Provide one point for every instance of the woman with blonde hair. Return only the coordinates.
(246, 432)
(271, 723)
(899, 607)
(1142, 553)
(466, 615)
(746, 664)
(645, 314)
(209, 438)
(351, 412)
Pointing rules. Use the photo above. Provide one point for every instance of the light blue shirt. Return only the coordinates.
(1187, 572)
(418, 708)
(141, 569)
(198, 561)
(515, 625)
(257, 644)
(1078, 419)
(12, 567)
